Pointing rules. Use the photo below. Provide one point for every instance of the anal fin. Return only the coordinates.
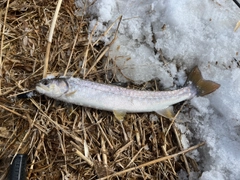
(167, 113)
(119, 115)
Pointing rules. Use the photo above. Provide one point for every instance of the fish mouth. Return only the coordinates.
(48, 85)
(41, 87)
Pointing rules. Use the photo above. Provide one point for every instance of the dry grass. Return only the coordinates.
(72, 142)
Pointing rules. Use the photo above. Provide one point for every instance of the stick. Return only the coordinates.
(2, 39)
(154, 161)
(50, 38)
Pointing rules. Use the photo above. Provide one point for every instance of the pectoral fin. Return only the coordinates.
(167, 113)
(70, 93)
(119, 115)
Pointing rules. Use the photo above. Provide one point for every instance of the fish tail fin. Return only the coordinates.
(202, 86)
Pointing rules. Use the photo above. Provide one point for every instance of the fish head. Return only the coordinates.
(54, 88)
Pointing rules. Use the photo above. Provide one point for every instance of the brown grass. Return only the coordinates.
(72, 142)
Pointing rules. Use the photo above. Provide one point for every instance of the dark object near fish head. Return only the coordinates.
(27, 95)
(18, 168)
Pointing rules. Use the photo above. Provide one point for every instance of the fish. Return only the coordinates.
(122, 100)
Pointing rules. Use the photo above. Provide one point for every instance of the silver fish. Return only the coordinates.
(122, 100)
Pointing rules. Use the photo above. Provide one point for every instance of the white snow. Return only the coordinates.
(188, 33)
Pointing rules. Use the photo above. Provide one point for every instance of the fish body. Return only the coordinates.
(118, 99)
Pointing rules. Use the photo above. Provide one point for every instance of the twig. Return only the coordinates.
(103, 52)
(179, 141)
(24, 138)
(135, 156)
(14, 112)
(50, 38)
(120, 150)
(104, 152)
(71, 134)
(36, 153)
(170, 163)
(155, 161)
(181, 148)
(2, 39)
(69, 60)
(81, 155)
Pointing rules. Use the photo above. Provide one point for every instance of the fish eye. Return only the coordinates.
(45, 82)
